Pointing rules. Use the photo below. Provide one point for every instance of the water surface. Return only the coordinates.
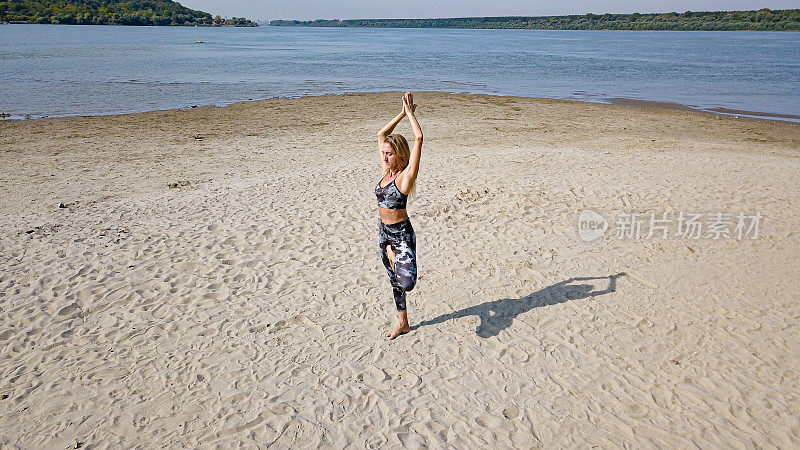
(63, 70)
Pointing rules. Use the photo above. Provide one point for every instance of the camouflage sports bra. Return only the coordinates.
(390, 196)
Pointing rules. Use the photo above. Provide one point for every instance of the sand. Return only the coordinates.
(247, 305)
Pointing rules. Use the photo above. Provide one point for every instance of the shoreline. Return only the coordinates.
(728, 112)
(616, 101)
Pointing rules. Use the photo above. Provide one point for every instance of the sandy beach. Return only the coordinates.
(210, 278)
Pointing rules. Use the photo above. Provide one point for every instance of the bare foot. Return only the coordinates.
(390, 254)
(401, 329)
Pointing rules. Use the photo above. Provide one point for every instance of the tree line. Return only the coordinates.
(761, 20)
(110, 12)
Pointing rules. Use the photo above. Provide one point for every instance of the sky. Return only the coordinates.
(374, 9)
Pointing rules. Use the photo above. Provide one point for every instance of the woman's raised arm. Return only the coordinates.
(410, 173)
(387, 130)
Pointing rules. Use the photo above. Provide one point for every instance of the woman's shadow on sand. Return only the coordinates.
(498, 315)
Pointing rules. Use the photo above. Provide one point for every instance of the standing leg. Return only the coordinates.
(402, 327)
(405, 277)
(397, 289)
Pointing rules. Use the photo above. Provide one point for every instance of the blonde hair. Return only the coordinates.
(403, 154)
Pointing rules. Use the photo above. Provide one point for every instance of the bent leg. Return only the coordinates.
(398, 253)
(405, 267)
(405, 274)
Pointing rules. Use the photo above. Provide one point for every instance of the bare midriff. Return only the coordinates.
(390, 216)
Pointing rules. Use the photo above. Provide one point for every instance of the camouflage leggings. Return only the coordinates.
(404, 243)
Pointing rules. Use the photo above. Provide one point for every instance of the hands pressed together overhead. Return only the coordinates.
(408, 103)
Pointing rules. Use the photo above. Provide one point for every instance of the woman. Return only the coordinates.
(398, 244)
